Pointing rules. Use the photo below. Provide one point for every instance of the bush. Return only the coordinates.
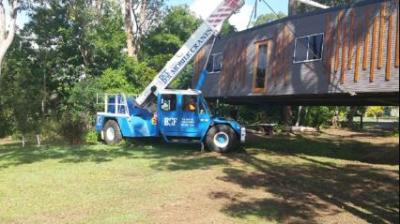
(319, 116)
(91, 137)
(79, 112)
(6, 122)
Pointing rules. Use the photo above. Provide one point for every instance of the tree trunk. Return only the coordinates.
(335, 119)
(300, 110)
(287, 116)
(350, 116)
(38, 140)
(23, 141)
(130, 37)
(7, 36)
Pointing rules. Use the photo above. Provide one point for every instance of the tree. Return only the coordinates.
(375, 111)
(8, 26)
(227, 29)
(167, 38)
(269, 17)
(139, 17)
(23, 85)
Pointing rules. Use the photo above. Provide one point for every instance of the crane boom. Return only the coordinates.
(199, 38)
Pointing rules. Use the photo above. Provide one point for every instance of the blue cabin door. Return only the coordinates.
(189, 119)
(168, 114)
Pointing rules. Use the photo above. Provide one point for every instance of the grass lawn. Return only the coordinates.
(335, 177)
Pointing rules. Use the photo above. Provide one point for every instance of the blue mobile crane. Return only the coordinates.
(174, 115)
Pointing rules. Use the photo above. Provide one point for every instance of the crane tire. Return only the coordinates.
(221, 138)
(112, 133)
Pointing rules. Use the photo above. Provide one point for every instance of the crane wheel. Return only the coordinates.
(112, 133)
(221, 138)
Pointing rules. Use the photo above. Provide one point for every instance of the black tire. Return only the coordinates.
(226, 132)
(112, 127)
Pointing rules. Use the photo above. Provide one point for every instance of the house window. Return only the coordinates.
(261, 66)
(215, 63)
(309, 48)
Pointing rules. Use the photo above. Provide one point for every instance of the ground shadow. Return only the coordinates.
(14, 154)
(304, 193)
(336, 147)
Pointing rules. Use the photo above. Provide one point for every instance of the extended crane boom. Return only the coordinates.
(212, 26)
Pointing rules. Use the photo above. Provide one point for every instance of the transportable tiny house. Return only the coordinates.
(344, 55)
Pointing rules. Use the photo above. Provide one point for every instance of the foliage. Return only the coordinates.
(375, 111)
(227, 29)
(269, 17)
(6, 121)
(78, 114)
(91, 137)
(319, 116)
(21, 90)
(176, 27)
(166, 39)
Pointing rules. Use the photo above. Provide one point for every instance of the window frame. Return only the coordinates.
(185, 103)
(175, 105)
(308, 48)
(212, 59)
(268, 43)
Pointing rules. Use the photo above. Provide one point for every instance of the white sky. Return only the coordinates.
(239, 20)
(203, 8)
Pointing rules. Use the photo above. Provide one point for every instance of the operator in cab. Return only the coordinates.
(191, 105)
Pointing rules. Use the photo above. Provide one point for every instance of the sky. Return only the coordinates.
(204, 7)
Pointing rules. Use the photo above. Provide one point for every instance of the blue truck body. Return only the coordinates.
(135, 122)
(179, 115)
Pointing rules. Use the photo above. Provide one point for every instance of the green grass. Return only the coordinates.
(273, 180)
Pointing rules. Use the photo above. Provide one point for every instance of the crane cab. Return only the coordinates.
(182, 114)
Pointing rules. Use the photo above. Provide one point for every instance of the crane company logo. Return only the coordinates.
(170, 122)
(183, 58)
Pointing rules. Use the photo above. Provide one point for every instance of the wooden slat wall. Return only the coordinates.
(345, 40)
(234, 66)
(362, 42)
(359, 41)
(338, 39)
(199, 61)
(367, 38)
(289, 39)
(329, 41)
(277, 52)
(351, 40)
(374, 48)
(389, 49)
(280, 62)
(382, 29)
(397, 41)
